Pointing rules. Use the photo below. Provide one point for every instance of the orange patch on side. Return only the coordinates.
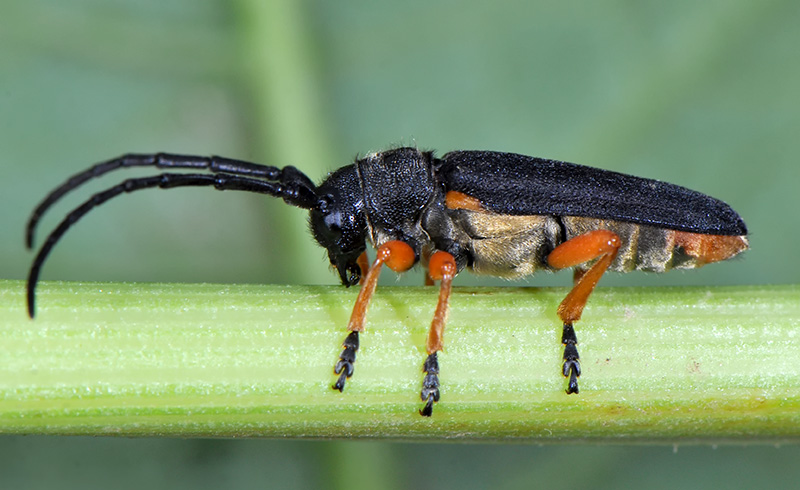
(710, 248)
(459, 200)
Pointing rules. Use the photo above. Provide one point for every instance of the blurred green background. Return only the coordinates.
(702, 94)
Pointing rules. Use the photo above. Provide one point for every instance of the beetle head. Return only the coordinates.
(338, 224)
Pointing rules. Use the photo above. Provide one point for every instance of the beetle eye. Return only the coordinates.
(333, 224)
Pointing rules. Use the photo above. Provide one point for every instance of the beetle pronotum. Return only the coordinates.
(499, 214)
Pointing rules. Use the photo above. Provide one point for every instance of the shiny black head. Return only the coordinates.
(338, 224)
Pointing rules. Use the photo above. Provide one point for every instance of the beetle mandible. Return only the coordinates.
(499, 214)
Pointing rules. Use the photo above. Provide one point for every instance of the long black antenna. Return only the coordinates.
(288, 183)
(213, 164)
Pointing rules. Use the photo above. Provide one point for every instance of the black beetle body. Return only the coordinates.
(499, 214)
(531, 206)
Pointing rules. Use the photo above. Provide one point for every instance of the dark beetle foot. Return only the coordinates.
(430, 385)
(573, 370)
(572, 365)
(345, 365)
(427, 410)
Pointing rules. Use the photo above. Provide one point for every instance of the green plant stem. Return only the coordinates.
(659, 364)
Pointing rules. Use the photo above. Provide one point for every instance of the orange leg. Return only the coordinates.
(442, 266)
(399, 257)
(363, 264)
(579, 250)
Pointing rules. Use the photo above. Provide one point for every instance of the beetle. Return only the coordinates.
(499, 214)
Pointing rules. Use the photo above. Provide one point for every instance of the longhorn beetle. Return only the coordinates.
(499, 214)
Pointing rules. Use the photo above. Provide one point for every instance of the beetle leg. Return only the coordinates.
(398, 256)
(363, 265)
(442, 266)
(596, 244)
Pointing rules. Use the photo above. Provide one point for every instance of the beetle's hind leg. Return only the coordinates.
(442, 266)
(597, 244)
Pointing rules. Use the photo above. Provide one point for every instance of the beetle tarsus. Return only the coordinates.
(344, 368)
(572, 365)
(427, 410)
(430, 385)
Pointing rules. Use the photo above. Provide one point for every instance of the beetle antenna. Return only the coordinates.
(213, 164)
(293, 188)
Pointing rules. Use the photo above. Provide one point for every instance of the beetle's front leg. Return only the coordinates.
(398, 256)
(575, 251)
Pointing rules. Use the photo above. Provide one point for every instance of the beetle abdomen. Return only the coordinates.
(506, 246)
(654, 249)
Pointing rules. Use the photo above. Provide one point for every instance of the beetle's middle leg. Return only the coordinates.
(398, 256)
(442, 266)
(596, 244)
